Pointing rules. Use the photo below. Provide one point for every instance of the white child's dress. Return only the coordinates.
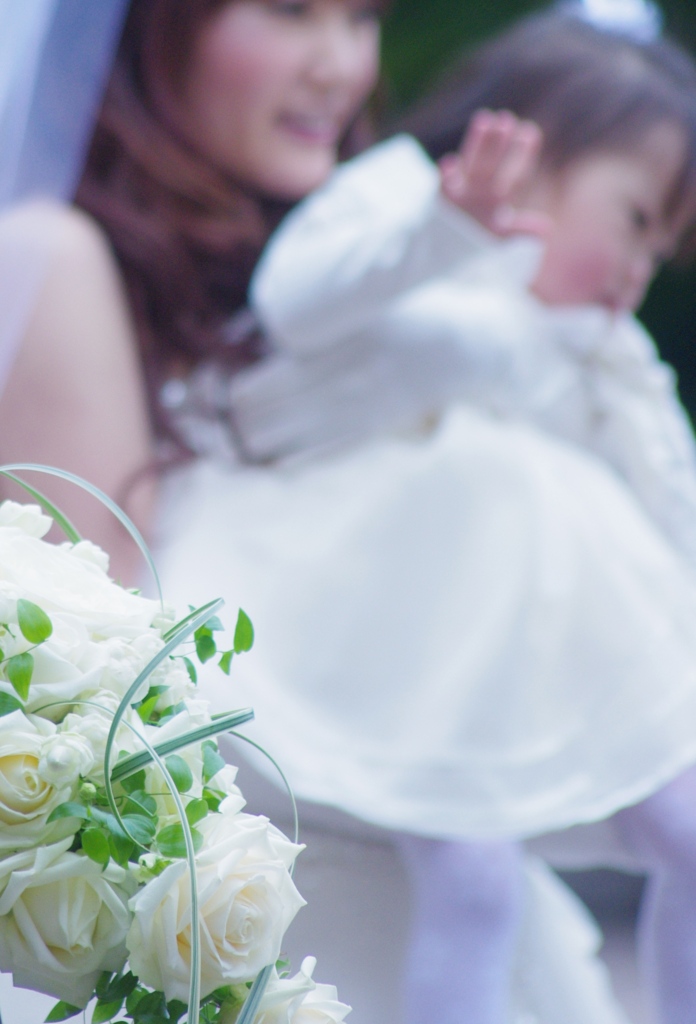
(465, 625)
(468, 560)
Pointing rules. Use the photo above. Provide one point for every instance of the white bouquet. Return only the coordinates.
(112, 790)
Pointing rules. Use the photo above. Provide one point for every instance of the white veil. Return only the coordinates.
(54, 59)
(55, 56)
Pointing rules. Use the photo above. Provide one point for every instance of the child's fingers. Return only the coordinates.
(486, 144)
(520, 161)
(497, 157)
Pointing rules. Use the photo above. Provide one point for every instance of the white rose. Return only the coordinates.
(27, 799)
(28, 518)
(172, 674)
(57, 580)
(121, 660)
(165, 618)
(300, 1000)
(224, 781)
(247, 900)
(63, 920)
(64, 758)
(92, 724)
(8, 602)
(90, 552)
(58, 677)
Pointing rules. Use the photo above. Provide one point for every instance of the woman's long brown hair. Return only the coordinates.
(186, 236)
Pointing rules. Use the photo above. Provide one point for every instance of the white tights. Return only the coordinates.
(661, 832)
(467, 906)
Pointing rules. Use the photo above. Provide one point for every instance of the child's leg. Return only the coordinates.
(466, 907)
(662, 832)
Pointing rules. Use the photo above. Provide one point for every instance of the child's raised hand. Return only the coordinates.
(496, 160)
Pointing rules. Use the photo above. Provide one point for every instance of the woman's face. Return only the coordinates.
(272, 85)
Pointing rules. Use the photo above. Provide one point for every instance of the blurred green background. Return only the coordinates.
(423, 37)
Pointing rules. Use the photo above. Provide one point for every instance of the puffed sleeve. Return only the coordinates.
(455, 338)
(377, 229)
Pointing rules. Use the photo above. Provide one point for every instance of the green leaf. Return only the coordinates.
(212, 761)
(108, 820)
(96, 845)
(105, 1011)
(114, 986)
(141, 803)
(8, 704)
(225, 662)
(134, 782)
(121, 849)
(196, 810)
(154, 691)
(20, 669)
(214, 624)
(180, 772)
(212, 799)
(70, 809)
(142, 829)
(151, 1005)
(191, 669)
(134, 1000)
(147, 707)
(170, 841)
(102, 986)
(243, 633)
(61, 1011)
(33, 621)
(171, 712)
(205, 647)
(176, 1009)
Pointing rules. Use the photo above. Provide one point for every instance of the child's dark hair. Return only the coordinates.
(587, 88)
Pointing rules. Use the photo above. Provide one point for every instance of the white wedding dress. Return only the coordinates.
(465, 627)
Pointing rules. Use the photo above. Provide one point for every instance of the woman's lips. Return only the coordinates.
(319, 129)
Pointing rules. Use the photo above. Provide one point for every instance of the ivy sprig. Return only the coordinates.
(206, 647)
(122, 994)
(36, 627)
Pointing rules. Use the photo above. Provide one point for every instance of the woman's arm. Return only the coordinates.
(74, 396)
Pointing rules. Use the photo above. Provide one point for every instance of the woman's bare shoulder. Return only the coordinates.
(46, 227)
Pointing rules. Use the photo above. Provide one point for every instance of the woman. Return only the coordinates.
(187, 196)
(186, 217)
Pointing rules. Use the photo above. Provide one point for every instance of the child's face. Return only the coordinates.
(609, 227)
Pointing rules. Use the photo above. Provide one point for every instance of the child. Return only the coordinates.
(387, 308)
(437, 674)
